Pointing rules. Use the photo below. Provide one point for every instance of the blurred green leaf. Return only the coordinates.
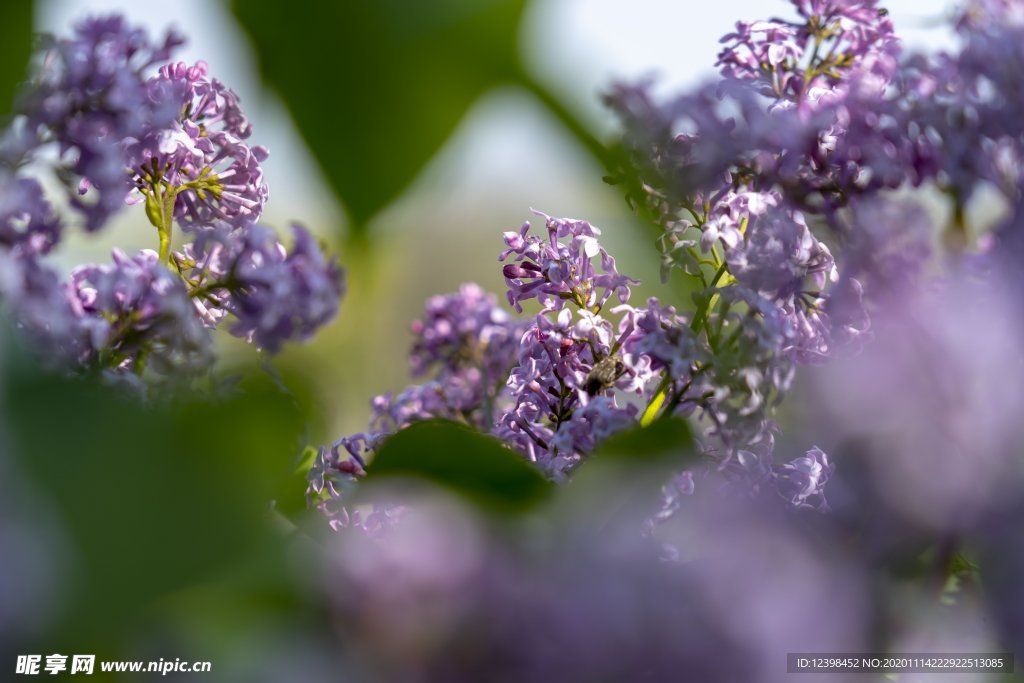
(153, 499)
(15, 47)
(663, 439)
(464, 460)
(377, 86)
(620, 482)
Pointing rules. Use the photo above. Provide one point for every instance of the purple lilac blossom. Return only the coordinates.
(136, 313)
(553, 273)
(557, 416)
(467, 339)
(28, 222)
(179, 138)
(202, 157)
(664, 338)
(89, 96)
(791, 60)
(801, 481)
(275, 294)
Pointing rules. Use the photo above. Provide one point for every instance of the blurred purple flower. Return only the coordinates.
(275, 294)
(89, 96)
(136, 314)
(802, 480)
(28, 222)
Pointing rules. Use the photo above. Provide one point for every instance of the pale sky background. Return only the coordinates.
(507, 155)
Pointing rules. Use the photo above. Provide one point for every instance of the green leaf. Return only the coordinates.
(459, 458)
(665, 439)
(153, 499)
(620, 482)
(377, 86)
(15, 48)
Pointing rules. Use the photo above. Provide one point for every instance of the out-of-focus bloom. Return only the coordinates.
(275, 294)
(136, 313)
(935, 395)
(802, 480)
(443, 581)
(89, 96)
(45, 308)
(28, 222)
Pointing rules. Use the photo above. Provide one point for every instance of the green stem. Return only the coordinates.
(701, 316)
(651, 411)
(166, 222)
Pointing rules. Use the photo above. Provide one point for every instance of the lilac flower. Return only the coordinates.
(550, 383)
(28, 222)
(137, 314)
(779, 255)
(469, 340)
(665, 339)
(554, 273)
(89, 96)
(835, 40)
(469, 344)
(729, 215)
(275, 294)
(44, 307)
(333, 475)
(801, 481)
(590, 423)
(750, 369)
(200, 162)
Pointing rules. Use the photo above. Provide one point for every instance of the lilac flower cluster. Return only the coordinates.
(117, 130)
(578, 376)
(582, 377)
(556, 273)
(466, 344)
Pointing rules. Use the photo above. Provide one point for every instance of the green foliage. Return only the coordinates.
(620, 482)
(377, 86)
(664, 440)
(461, 459)
(153, 499)
(15, 47)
